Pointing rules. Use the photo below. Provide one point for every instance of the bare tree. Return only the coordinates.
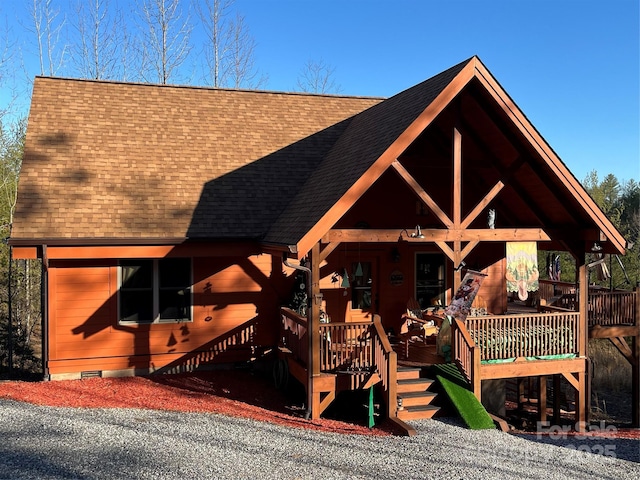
(165, 39)
(47, 27)
(7, 47)
(229, 48)
(96, 53)
(317, 77)
(213, 14)
(243, 70)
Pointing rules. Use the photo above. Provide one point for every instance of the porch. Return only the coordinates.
(526, 343)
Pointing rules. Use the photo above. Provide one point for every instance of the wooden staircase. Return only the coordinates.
(414, 398)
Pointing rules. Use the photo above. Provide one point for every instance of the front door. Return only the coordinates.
(364, 291)
(430, 279)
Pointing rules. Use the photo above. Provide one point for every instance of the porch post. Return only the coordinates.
(313, 314)
(315, 310)
(583, 401)
(635, 366)
(457, 205)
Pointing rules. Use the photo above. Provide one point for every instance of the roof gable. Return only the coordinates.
(368, 136)
(360, 157)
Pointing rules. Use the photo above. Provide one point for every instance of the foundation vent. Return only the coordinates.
(91, 374)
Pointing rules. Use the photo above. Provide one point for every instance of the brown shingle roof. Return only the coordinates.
(108, 160)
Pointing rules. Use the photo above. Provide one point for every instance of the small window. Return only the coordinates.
(361, 286)
(155, 290)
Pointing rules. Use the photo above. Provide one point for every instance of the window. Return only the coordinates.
(154, 290)
(361, 286)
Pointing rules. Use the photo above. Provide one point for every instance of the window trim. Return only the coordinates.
(156, 289)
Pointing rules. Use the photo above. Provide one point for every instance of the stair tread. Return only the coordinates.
(416, 394)
(409, 369)
(415, 380)
(421, 408)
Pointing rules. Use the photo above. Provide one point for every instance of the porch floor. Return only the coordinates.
(420, 355)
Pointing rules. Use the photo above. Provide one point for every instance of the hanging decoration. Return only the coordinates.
(358, 270)
(345, 279)
(522, 268)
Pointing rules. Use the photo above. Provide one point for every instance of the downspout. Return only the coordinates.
(302, 268)
(44, 312)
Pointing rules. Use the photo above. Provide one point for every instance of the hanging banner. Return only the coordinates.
(460, 306)
(522, 268)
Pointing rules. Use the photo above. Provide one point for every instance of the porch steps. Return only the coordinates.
(414, 397)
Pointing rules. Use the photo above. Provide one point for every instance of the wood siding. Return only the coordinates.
(235, 316)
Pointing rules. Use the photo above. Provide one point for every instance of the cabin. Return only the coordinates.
(182, 228)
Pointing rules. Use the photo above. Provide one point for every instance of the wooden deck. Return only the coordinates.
(525, 342)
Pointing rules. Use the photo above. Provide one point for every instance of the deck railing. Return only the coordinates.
(346, 346)
(524, 335)
(613, 308)
(606, 307)
(549, 288)
(294, 334)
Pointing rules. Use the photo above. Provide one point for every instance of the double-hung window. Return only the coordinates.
(153, 291)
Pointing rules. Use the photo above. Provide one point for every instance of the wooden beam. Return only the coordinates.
(437, 235)
(542, 398)
(599, 331)
(424, 196)
(623, 347)
(582, 403)
(457, 177)
(528, 368)
(467, 249)
(326, 251)
(482, 205)
(583, 297)
(325, 402)
(314, 319)
(446, 250)
(572, 380)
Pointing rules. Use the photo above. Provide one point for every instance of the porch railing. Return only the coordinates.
(548, 288)
(294, 334)
(524, 335)
(358, 347)
(346, 346)
(605, 307)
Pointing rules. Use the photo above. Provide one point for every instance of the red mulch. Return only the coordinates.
(228, 392)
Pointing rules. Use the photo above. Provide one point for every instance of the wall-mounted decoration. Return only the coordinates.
(396, 278)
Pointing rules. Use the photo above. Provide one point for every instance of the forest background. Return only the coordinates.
(155, 48)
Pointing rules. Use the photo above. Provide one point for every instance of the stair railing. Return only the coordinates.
(466, 355)
(386, 364)
(293, 334)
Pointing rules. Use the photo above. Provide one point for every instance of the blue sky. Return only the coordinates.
(572, 66)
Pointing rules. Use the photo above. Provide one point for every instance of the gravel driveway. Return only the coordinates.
(65, 443)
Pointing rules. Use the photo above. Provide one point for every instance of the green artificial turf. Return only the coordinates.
(465, 402)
